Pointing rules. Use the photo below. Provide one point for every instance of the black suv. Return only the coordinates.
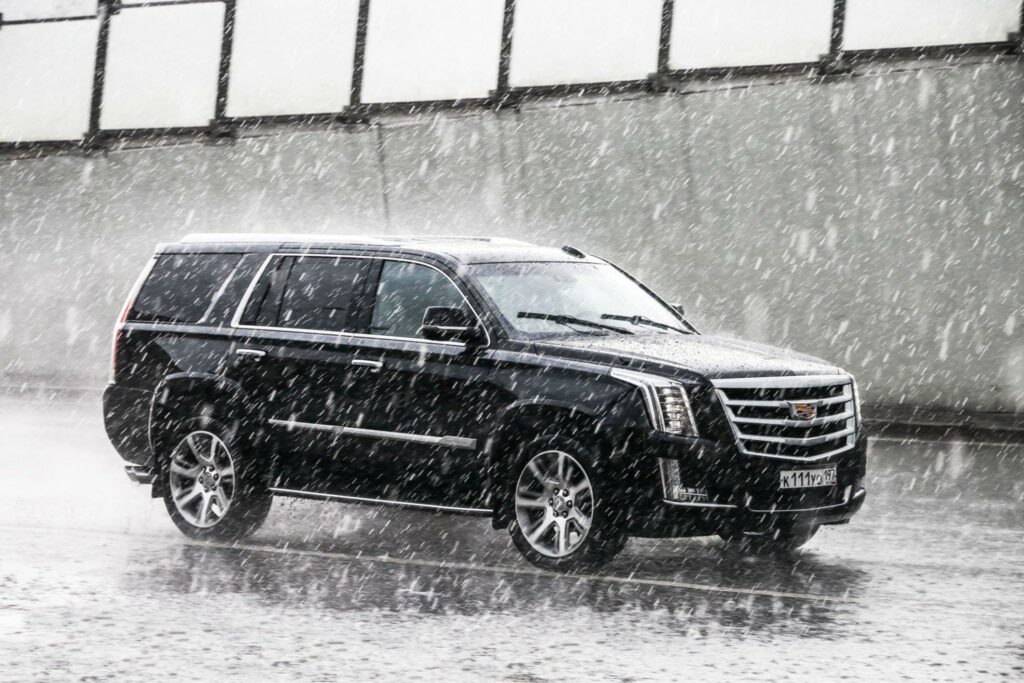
(543, 388)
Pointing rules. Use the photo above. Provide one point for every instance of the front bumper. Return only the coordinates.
(742, 491)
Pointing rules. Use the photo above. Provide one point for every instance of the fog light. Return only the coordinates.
(672, 486)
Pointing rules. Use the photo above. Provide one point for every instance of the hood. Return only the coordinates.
(710, 356)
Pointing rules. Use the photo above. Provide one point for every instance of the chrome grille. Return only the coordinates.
(791, 418)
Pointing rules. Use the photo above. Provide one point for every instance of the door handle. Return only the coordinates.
(372, 365)
(255, 354)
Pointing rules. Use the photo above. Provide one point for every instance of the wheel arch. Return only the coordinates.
(526, 420)
(188, 394)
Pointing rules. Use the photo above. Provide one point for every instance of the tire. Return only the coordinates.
(563, 517)
(775, 541)
(212, 489)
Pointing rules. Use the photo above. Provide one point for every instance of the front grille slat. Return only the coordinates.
(790, 418)
(785, 422)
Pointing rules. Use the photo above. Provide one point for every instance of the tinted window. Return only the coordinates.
(264, 303)
(182, 288)
(404, 293)
(306, 292)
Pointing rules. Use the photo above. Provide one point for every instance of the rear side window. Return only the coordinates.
(182, 288)
(306, 292)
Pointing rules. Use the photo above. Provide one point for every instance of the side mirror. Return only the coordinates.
(678, 308)
(441, 323)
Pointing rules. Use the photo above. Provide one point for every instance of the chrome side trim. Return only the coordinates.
(381, 501)
(446, 441)
(236, 318)
(724, 506)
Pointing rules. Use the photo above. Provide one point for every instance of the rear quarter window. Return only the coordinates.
(182, 288)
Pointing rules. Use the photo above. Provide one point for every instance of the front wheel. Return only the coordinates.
(211, 490)
(563, 516)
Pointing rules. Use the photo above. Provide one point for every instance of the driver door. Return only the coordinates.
(429, 400)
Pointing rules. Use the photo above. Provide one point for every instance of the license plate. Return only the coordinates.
(805, 479)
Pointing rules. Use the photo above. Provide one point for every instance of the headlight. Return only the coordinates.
(668, 406)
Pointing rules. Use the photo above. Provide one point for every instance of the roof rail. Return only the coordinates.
(257, 237)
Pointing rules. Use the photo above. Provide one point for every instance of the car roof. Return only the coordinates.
(459, 249)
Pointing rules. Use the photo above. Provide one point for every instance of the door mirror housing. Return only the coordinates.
(441, 323)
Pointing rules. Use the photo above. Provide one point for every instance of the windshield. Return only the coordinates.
(555, 299)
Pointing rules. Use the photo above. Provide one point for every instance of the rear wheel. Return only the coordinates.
(211, 490)
(563, 517)
(776, 540)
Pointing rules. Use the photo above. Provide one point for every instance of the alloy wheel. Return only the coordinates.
(202, 478)
(554, 503)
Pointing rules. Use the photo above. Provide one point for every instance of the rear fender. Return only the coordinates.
(184, 395)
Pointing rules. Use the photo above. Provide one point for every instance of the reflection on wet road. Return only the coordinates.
(927, 583)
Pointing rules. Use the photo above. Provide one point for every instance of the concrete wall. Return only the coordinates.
(878, 222)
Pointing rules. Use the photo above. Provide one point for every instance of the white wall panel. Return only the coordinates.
(710, 33)
(46, 80)
(45, 9)
(162, 65)
(874, 24)
(584, 41)
(432, 50)
(292, 57)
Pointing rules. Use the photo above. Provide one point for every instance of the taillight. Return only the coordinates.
(123, 317)
(113, 352)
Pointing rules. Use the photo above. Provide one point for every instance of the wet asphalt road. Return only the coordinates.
(927, 583)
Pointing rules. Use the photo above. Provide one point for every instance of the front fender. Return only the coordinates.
(605, 433)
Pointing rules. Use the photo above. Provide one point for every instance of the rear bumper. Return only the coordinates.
(126, 420)
(140, 474)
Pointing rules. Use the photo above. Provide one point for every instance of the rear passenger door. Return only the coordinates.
(427, 401)
(294, 353)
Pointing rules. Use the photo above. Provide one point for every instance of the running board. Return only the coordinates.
(314, 495)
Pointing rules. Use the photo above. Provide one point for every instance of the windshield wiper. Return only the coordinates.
(642, 320)
(570, 320)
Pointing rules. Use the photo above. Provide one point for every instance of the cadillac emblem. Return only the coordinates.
(803, 410)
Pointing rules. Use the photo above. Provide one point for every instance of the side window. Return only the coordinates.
(404, 293)
(265, 301)
(182, 288)
(305, 292)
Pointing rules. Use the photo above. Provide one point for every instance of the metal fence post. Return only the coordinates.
(105, 9)
(502, 95)
(220, 126)
(1019, 42)
(665, 39)
(359, 60)
(832, 64)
